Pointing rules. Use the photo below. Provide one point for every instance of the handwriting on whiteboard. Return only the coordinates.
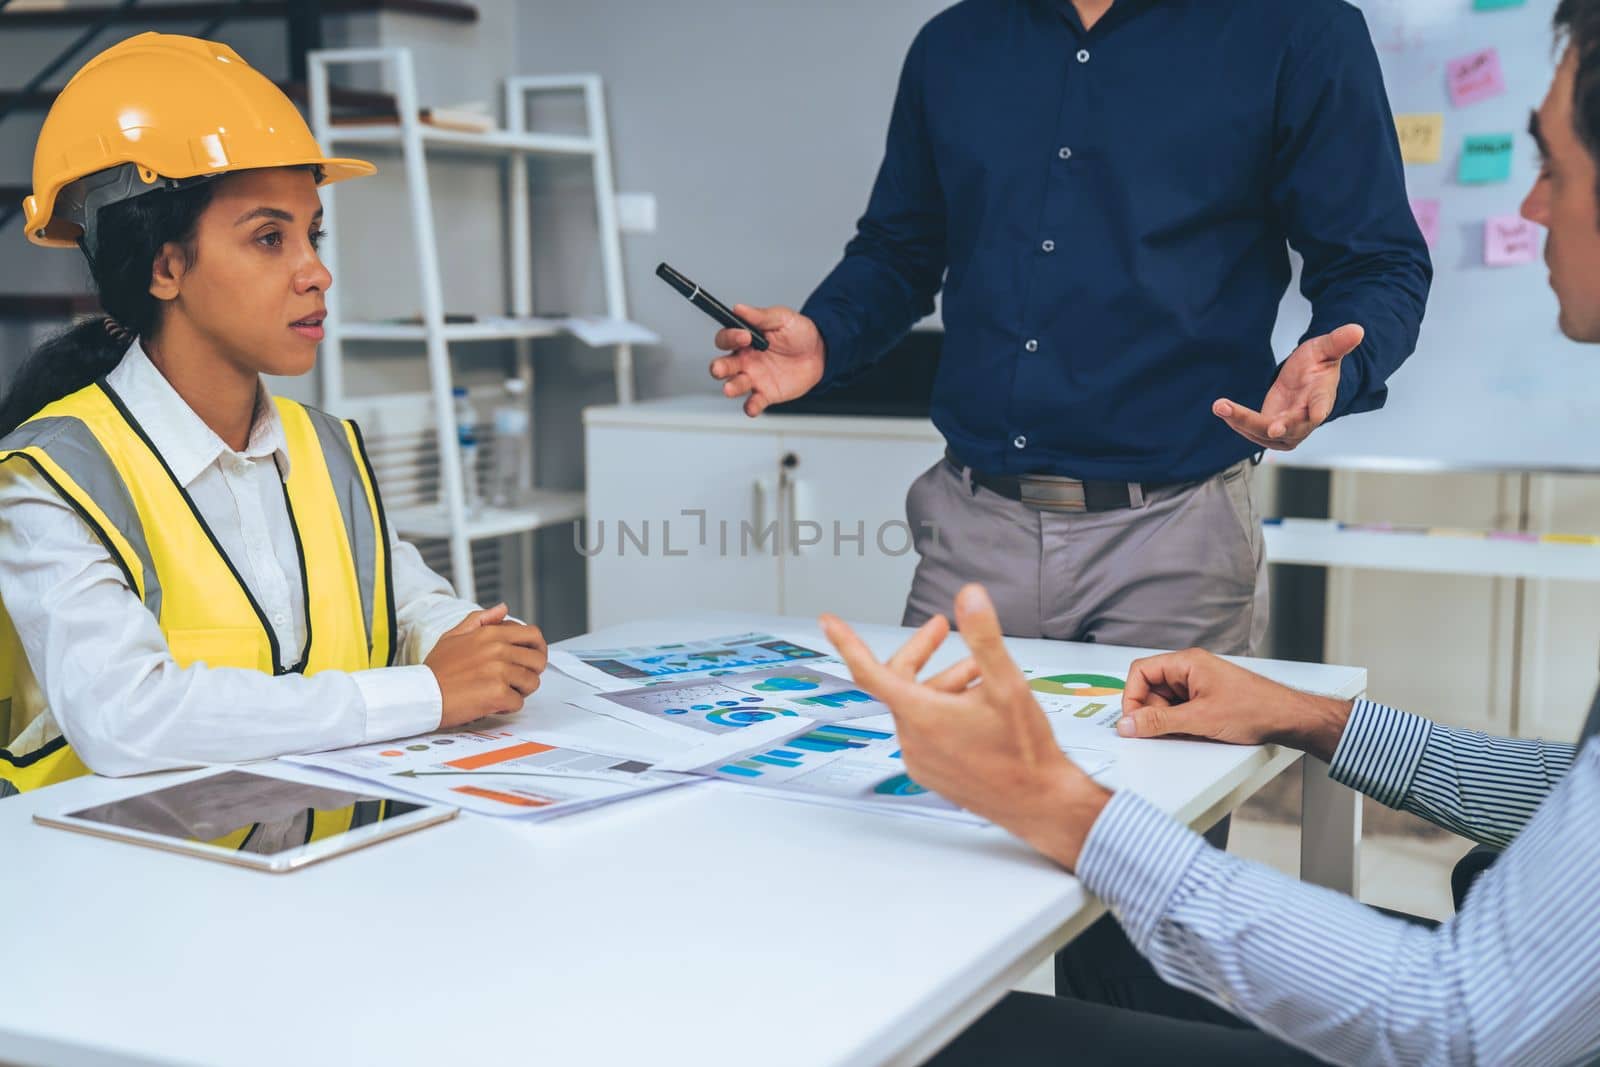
(1510, 241)
(1475, 77)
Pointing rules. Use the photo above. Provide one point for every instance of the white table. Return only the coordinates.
(704, 925)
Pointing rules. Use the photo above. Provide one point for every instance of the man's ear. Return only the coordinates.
(166, 273)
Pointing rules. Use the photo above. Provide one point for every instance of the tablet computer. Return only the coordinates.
(252, 820)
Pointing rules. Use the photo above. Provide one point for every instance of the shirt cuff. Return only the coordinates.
(400, 701)
(426, 621)
(1135, 857)
(837, 365)
(1379, 752)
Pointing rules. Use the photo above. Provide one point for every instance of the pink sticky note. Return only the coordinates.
(1510, 241)
(1475, 77)
(1427, 213)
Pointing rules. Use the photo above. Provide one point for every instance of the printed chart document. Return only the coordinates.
(1089, 701)
(844, 764)
(645, 665)
(775, 700)
(496, 772)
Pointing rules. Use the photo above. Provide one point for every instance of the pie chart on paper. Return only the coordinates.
(745, 716)
(1078, 685)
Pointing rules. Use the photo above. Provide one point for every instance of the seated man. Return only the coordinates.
(1511, 979)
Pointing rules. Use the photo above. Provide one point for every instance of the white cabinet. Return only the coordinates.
(692, 505)
(847, 495)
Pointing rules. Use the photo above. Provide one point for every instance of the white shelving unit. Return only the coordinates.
(1322, 543)
(446, 516)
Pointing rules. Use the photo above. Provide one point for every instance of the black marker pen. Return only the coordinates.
(710, 305)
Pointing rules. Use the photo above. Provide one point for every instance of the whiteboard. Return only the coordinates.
(1492, 384)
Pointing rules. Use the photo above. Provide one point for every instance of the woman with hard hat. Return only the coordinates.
(192, 570)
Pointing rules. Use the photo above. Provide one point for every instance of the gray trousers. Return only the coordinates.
(1185, 569)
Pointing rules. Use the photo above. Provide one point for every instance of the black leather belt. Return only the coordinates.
(1047, 492)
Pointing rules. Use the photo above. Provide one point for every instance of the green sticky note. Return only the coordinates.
(1495, 5)
(1485, 158)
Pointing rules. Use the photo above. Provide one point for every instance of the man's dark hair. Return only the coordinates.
(1578, 24)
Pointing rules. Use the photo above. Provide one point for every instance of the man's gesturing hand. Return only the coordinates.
(987, 747)
(1301, 399)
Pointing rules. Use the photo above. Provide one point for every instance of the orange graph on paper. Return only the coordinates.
(480, 760)
(515, 799)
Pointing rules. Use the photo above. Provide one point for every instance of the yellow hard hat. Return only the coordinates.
(160, 108)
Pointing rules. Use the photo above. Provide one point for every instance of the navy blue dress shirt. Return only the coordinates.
(1109, 214)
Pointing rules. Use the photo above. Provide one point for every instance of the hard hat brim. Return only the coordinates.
(59, 233)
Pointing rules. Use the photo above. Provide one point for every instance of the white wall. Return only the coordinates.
(758, 127)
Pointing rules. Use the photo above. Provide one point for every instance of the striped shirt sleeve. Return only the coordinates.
(1481, 787)
(1511, 979)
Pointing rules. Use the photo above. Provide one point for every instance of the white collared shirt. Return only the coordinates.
(101, 662)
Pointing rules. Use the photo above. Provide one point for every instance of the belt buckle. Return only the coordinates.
(1053, 494)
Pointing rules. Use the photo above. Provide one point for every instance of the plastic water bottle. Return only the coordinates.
(513, 445)
(467, 444)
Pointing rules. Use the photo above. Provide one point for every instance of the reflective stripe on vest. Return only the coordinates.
(90, 449)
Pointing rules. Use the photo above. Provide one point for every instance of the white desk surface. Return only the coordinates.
(706, 925)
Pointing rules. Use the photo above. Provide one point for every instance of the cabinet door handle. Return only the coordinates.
(799, 499)
(788, 504)
(760, 489)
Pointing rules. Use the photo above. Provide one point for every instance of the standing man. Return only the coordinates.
(1106, 192)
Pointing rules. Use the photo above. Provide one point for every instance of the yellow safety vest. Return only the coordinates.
(92, 451)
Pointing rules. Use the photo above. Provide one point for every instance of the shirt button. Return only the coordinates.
(1019, 441)
(1048, 246)
(1065, 153)
(1032, 345)
(280, 618)
(1083, 55)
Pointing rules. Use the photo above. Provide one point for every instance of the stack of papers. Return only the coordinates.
(757, 710)
(497, 772)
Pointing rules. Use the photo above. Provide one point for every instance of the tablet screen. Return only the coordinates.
(245, 812)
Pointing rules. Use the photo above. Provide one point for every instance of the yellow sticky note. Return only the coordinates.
(1420, 137)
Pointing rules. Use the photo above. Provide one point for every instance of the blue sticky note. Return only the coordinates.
(1495, 5)
(1485, 158)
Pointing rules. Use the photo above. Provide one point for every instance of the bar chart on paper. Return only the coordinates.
(840, 764)
(737, 701)
(650, 665)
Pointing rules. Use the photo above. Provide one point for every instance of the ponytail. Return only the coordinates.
(61, 366)
(130, 235)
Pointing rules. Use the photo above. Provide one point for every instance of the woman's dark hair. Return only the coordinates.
(1578, 23)
(130, 234)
